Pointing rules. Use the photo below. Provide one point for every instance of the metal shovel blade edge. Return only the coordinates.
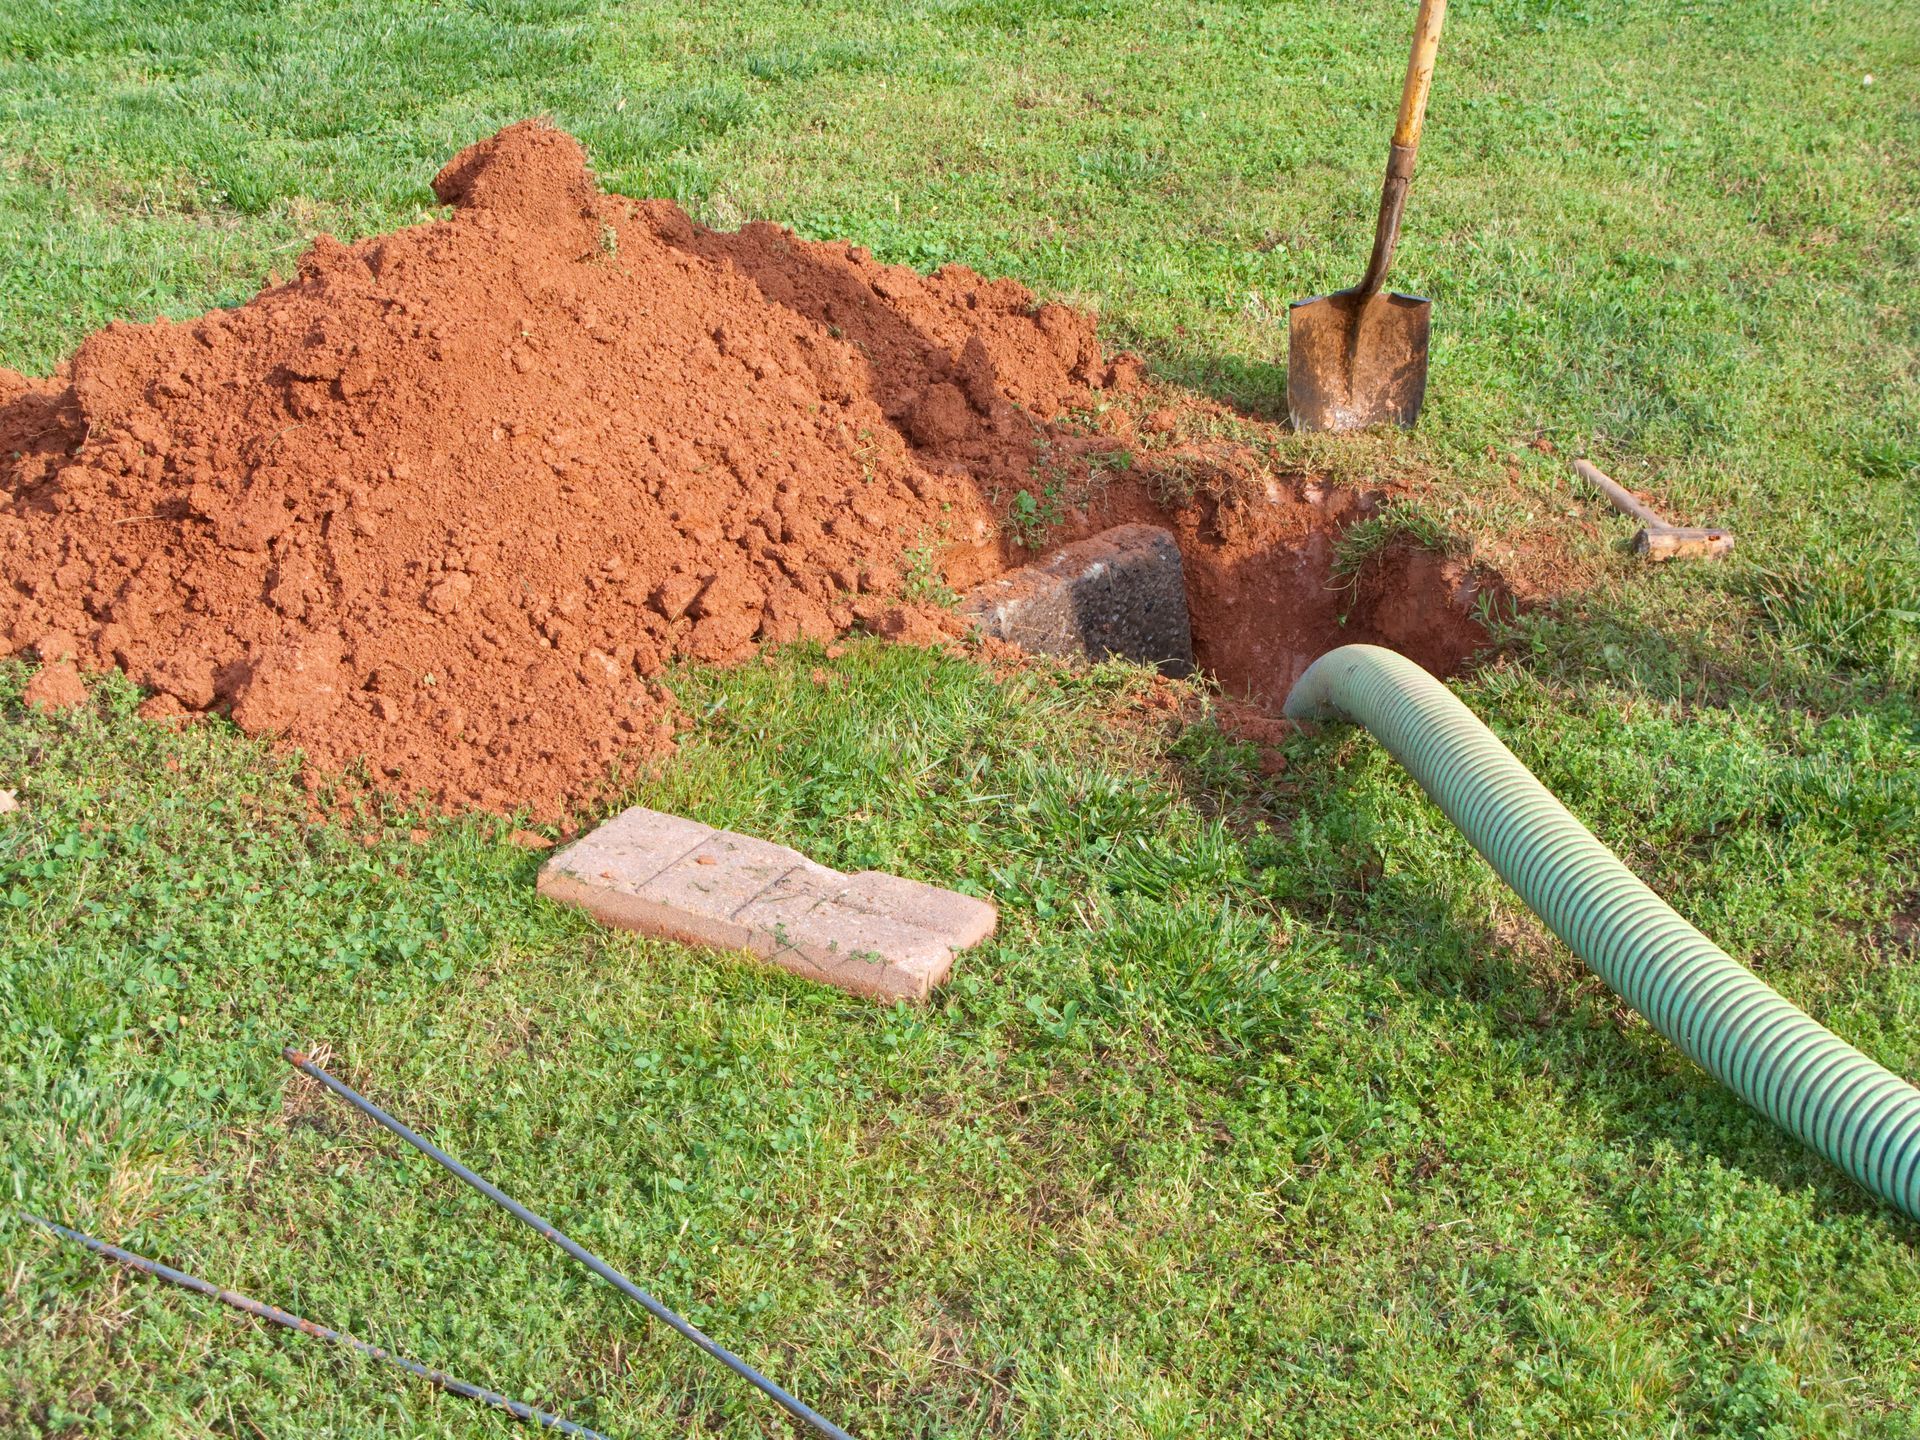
(1355, 361)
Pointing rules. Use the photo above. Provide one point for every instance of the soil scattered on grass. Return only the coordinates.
(452, 497)
(57, 686)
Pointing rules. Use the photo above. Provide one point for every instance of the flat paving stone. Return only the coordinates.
(871, 933)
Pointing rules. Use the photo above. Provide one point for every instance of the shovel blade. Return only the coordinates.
(1356, 361)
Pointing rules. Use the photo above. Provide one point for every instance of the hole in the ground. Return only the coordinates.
(1276, 573)
(1274, 592)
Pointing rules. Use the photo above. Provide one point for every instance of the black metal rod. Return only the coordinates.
(287, 1319)
(593, 1262)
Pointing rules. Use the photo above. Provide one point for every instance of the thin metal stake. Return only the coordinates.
(586, 1257)
(286, 1318)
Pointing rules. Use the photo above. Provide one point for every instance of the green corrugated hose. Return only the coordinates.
(1798, 1073)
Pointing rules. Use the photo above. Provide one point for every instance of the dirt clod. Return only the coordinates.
(57, 686)
(163, 709)
(55, 646)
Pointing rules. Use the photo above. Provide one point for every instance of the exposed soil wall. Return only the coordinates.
(452, 497)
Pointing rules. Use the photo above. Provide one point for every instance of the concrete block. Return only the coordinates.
(871, 933)
(1121, 592)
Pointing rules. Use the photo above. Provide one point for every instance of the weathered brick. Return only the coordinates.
(871, 933)
(928, 906)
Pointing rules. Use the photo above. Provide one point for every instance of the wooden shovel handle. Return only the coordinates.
(1413, 95)
(1406, 142)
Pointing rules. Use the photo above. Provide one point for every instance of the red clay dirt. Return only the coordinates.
(55, 686)
(452, 497)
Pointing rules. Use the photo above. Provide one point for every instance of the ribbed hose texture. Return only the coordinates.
(1771, 1053)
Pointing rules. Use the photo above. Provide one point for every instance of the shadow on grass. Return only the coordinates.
(1254, 388)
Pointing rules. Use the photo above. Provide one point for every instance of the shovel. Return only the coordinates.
(1359, 357)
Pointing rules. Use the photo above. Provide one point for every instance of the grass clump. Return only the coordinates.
(1395, 525)
(1855, 607)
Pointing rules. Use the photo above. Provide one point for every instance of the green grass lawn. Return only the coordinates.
(1268, 1111)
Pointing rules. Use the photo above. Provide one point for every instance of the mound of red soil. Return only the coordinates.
(452, 496)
